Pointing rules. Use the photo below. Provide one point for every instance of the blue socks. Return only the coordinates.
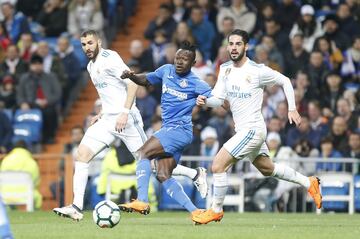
(143, 173)
(5, 232)
(176, 191)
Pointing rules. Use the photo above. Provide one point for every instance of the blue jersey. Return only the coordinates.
(179, 93)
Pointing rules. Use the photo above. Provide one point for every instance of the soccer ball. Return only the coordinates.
(106, 214)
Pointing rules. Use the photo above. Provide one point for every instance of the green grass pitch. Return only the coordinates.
(172, 225)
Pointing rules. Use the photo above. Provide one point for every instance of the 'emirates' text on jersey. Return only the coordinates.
(243, 87)
(179, 93)
(105, 73)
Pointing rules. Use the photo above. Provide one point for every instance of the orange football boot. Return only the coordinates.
(207, 216)
(137, 206)
(314, 191)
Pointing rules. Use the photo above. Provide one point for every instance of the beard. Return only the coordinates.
(95, 53)
(238, 58)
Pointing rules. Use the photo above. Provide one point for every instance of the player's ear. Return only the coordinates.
(246, 46)
(99, 42)
(193, 63)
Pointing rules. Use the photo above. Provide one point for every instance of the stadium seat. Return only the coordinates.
(167, 203)
(338, 191)
(28, 125)
(357, 192)
(16, 188)
(234, 199)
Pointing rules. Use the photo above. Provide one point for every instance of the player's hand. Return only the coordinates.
(127, 74)
(201, 100)
(121, 122)
(295, 117)
(95, 119)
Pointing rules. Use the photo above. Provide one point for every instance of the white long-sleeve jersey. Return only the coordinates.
(105, 73)
(243, 87)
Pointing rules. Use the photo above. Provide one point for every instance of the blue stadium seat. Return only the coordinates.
(31, 119)
(167, 203)
(79, 53)
(357, 192)
(337, 188)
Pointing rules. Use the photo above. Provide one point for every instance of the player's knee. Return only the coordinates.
(83, 156)
(217, 168)
(162, 177)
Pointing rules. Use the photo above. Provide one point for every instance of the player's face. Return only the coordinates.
(184, 60)
(90, 45)
(236, 48)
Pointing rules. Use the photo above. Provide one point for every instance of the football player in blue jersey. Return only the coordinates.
(5, 232)
(180, 87)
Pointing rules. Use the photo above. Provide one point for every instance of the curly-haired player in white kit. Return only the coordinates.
(241, 82)
(119, 118)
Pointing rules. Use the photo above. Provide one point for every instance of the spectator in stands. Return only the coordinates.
(343, 109)
(7, 92)
(328, 151)
(281, 113)
(4, 42)
(266, 11)
(96, 110)
(300, 101)
(273, 29)
(157, 47)
(274, 53)
(163, 21)
(20, 159)
(302, 82)
(83, 15)
(303, 132)
(347, 22)
(296, 58)
(220, 122)
(350, 95)
(156, 122)
(317, 70)
(339, 134)
(14, 22)
(220, 39)
(41, 90)
(317, 122)
(30, 8)
(178, 8)
(13, 65)
(222, 57)
(200, 68)
(331, 92)
(350, 68)
(354, 152)
(262, 57)
(331, 54)
(308, 27)
(26, 46)
(170, 51)
(77, 132)
(209, 145)
(244, 17)
(71, 66)
(6, 132)
(287, 12)
(275, 125)
(53, 18)
(210, 10)
(143, 57)
(202, 30)
(211, 79)
(146, 105)
(182, 33)
(333, 33)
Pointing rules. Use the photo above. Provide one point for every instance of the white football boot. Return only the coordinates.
(70, 211)
(200, 181)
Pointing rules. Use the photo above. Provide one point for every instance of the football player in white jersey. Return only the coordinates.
(119, 118)
(241, 82)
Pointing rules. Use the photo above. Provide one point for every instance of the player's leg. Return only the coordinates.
(198, 176)
(94, 141)
(164, 168)
(5, 232)
(265, 165)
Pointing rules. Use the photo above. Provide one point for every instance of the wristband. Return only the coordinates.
(125, 110)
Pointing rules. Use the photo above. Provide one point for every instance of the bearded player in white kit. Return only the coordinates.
(119, 118)
(241, 82)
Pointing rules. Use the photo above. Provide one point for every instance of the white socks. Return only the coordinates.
(220, 189)
(185, 171)
(286, 173)
(79, 183)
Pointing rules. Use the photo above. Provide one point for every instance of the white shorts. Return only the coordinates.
(247, 144)
(102, 134)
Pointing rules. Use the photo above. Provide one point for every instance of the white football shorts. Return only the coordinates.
(247, 144)
(102, 134)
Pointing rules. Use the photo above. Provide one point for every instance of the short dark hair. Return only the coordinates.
(90, 33)
(242, 33)
(186, 45)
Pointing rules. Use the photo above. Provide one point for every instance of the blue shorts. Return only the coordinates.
(174, 139)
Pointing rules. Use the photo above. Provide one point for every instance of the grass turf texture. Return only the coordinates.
(178, 225)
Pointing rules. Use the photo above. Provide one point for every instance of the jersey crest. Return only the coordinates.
(183, 83)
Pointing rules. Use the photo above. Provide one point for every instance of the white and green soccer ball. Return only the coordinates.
(106, 214)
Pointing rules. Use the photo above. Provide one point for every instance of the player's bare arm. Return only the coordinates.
(122, 118)
(139, 79)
